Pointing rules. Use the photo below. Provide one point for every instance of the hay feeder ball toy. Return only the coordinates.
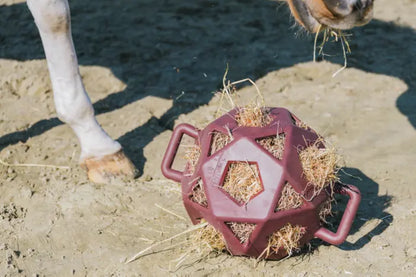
(247, 180)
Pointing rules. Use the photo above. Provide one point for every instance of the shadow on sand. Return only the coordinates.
(183, 46)
(372, 207)
(178, 47)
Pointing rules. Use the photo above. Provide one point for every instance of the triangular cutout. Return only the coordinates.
(198, 194)
(289, 199)
(299, 123)
(242, 231)
(285, 239)
(219, 141)
(274, 145)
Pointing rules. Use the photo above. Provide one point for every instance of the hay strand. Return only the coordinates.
(229, 89)
(344, 52)
(144, 251)
(338, 35)
(33, 165)
(325, 210)
(170, 212)
(316, 42)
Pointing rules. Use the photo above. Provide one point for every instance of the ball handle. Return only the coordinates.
(347, 219)
(172, 149)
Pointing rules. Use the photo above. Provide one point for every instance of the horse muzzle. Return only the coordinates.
(337, 14)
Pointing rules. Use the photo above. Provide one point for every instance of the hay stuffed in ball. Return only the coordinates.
(242, 182)
(260, 179)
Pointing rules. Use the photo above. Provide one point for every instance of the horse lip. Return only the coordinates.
(311, 19)
(305, 16)
(354, 19)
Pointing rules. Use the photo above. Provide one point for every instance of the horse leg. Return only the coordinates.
(101, 155)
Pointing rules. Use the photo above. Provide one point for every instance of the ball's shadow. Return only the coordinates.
(372, 210)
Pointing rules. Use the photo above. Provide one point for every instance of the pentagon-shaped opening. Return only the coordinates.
(198, 194)
(286, 239)
(274, 145)
(242, 231)
(242, 181)
(289, 199)
(253, 116)
(299, 123)
(219, 141)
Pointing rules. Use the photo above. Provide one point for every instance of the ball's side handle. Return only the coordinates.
(172, 149)
(347, 219)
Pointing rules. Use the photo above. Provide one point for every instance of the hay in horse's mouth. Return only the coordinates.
(337, 34)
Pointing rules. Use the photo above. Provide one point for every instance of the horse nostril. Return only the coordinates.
(362, 4)
(358, 5)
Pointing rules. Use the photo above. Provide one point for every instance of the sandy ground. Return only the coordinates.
(148, 67)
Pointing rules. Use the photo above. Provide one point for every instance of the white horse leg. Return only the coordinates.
(101, 155)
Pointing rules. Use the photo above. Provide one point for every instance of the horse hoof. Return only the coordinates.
(107, 168)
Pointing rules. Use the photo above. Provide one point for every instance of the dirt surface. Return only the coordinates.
(150, 66)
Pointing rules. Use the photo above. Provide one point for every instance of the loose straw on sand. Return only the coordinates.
(33, 165)
(143, 252)
(170, 212)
